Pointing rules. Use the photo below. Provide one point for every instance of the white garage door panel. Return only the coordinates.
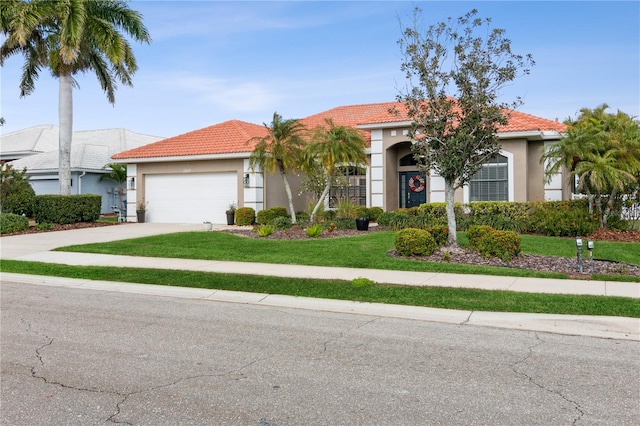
(192, 198)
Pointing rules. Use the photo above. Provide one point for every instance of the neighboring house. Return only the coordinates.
(194, 177)
(36, 148)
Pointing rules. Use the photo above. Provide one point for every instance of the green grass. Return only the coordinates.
(364, 251)
(436, 297)
(566, 247)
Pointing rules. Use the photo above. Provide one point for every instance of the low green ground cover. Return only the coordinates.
(358, 290)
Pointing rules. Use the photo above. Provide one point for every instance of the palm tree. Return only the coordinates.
(118, 174)
(603, 151)
(280, 151)
(334, 147)
(71, 37)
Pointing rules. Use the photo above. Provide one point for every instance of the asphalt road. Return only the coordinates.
(89, 357)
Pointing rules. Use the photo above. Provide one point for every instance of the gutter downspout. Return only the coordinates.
(80, 182)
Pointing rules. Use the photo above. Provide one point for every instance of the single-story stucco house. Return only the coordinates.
(36, 148)
(194, 177)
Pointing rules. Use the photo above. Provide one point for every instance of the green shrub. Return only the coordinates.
(501, 215)
(302, 218)
(328, 215)
(362, 282)
(16, 194)
(563, 221)
(314, 231)
(440, 234)
(63, 209)
(281, 223)
(10, 222)
(265, 230)
(265, 216)
(344, 223)
(245, 216)
(477, 231)
(45, 226)
(385, 218)
(415, 242)
(373, 213)
(489, 242)
(439, 210)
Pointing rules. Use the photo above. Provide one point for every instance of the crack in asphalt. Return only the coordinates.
(112, 418)
(41, 363)
(533, 381)
(350, 329)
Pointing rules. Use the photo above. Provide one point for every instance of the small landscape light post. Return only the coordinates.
(590, 248)
(579, 253)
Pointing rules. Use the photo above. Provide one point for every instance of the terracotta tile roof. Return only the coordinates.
(232, 136)
(518, 121)
(224, 138)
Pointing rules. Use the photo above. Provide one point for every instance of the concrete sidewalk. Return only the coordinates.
(36, 247)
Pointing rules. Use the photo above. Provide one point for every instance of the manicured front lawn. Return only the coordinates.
(365, 251)
(436, 297)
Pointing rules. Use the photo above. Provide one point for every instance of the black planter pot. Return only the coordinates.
(362, 223)
(231, 216)
(140, 214)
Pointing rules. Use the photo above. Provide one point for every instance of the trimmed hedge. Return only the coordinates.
(245, 216)
(10, 222)
(490, 242)
(265, 216)
(415, 242)
(64, 209)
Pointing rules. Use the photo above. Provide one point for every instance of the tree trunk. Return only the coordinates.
(323, 196)
(599, 209)
(65, 116)
(451, 216)
(608, 209)
(287, 188)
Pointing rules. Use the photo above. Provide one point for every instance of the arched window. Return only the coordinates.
(491, 182)
(408, 160)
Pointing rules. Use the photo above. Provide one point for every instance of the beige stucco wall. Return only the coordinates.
(535, 181)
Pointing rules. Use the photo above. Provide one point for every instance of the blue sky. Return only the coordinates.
(212, 61)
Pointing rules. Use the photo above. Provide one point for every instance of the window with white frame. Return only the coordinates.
(351, 184)
(491, 182)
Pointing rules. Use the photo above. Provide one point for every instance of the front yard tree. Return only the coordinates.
(71, 37)
(332, 149)
(601, 150)
(280, 151)
(455, 72)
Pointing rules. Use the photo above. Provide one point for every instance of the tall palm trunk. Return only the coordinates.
(323, 196)
(65, 116)
(287, 188)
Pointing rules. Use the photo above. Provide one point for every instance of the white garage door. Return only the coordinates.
(192, 198)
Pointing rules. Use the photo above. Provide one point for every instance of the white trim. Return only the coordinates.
(253, 194)
(234, 155)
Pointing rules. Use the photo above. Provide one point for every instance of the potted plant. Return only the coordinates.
(141, 210)
(208, 226)
(231, 214)
(362, 223)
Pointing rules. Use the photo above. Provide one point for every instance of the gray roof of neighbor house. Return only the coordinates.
(36, 148)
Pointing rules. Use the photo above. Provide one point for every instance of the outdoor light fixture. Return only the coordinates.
(131, 183)
(590, 248)
(245, 180)
(579, 253)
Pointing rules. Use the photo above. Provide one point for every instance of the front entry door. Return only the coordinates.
(413, 189)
